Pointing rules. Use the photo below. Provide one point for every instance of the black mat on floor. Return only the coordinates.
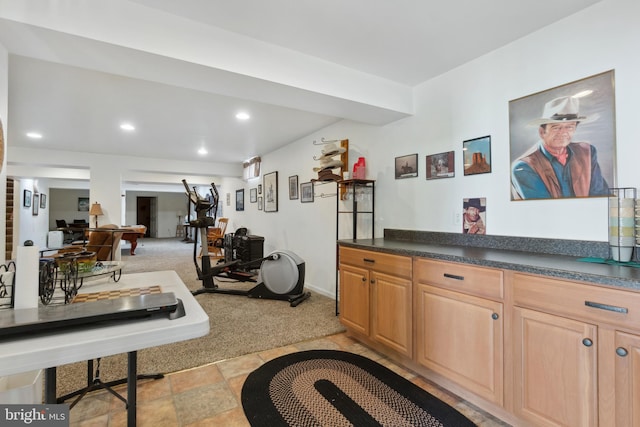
(336, 388)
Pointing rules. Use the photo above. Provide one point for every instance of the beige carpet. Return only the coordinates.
(239, 325)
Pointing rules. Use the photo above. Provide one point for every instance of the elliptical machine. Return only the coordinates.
(281, 272)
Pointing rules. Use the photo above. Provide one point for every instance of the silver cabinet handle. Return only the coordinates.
(369, 260)
(453, 276)
(587, 342)
(606, 307)
(495, 316)
(621, 351)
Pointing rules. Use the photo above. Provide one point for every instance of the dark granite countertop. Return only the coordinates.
(563, 266)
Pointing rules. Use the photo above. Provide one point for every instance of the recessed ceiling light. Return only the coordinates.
(34, 135)
(243, 116)
(202, 151)
(128, 127)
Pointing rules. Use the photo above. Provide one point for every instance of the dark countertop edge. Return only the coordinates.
(559, 266)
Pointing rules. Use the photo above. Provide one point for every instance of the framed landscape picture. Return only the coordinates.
(271, 192)
(477, 155)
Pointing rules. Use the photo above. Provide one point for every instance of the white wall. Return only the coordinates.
(168, 205)
(29, 226)
(468, 102)
(63, 204)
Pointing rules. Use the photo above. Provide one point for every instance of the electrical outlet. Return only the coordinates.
(457, 218)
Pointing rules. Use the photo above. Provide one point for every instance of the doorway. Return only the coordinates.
(146, 214)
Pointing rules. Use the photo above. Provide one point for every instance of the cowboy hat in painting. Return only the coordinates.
(474, 203)
(561, 110)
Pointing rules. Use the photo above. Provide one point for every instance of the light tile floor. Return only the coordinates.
(210, 395)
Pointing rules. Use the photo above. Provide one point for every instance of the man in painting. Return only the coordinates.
(556, 167)
(473, 223)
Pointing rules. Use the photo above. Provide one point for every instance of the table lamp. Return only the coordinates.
(96, 210)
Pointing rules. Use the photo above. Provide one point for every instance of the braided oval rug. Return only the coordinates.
(336, 388)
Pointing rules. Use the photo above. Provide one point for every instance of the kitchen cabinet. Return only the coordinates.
(576, 353)
(459, 324)
(627, 379)
(375, 297)
(555, 369)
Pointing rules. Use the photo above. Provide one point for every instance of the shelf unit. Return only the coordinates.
(347, 190)
(351, 187)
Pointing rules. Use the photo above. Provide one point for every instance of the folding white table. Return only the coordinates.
(47, 351)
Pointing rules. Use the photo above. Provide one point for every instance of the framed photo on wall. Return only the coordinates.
(477, 155)
(260, 203)
(253, 195)
(441, 165)
(26, 198)
(240, 200)
(306, 188)
(83, 204)
(406, 166)
(35, 204)
(569, 127)
(43, 201)
(271, 192)
(293, 187)
(474, 215)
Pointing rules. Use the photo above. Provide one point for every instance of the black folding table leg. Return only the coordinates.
(132, 380)
(50, 385)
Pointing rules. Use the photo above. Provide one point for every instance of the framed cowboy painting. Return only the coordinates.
(562, 141)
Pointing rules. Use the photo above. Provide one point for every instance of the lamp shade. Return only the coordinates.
(96, 209)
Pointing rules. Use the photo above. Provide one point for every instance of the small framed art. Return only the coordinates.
(441, 165)
(477, 155)
(43, 201)
(271, 192)
(240, 200)
(253, 195)
(83, 204)
(293, 187)
(406, 166)
(26, 198)
(36, 204)
(306, 189)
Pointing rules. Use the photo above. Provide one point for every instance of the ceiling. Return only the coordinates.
(180, 71)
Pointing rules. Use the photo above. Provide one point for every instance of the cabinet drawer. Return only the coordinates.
(576, 300)
(396, 265)
(469, 279)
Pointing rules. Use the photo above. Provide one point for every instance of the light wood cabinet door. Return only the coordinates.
(391, 312)
(555, 369)
(354, 298)
(627, 379)
(461, 337)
